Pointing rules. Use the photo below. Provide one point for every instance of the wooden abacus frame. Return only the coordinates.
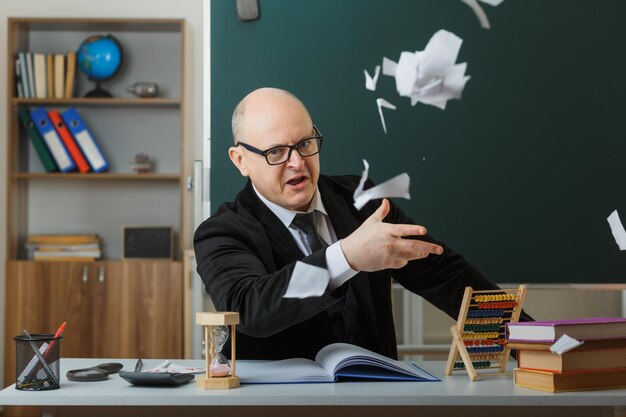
(487, 310)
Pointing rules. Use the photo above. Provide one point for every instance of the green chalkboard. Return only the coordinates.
(519, 176)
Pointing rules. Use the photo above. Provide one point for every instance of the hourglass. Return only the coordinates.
(219, 375)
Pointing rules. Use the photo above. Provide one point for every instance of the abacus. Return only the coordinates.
(479, 334)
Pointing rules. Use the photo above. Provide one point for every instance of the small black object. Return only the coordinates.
(95, 373)
(147, 242)
(156, 379)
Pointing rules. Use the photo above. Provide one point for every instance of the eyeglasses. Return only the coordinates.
(280, 154)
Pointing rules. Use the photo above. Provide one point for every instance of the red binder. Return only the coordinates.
(69, 141)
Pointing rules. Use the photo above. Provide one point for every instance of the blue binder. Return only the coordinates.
(53, 141)
(85, 140)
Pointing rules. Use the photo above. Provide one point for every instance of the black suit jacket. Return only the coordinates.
(245, 258)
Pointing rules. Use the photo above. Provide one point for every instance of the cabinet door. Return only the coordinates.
(42, 296)
(139, 308)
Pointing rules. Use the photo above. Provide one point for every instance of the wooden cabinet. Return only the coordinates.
(138, 310)
(113, 308)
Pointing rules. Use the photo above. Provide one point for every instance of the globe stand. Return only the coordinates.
(98, 92)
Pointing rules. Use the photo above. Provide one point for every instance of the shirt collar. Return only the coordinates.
(285, 215)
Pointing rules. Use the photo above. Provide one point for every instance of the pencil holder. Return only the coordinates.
(37, 362)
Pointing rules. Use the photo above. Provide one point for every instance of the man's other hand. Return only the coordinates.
(375, 245)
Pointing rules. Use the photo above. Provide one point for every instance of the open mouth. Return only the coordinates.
(296, 181)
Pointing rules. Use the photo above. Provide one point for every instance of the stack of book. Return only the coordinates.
(598, 363)
(60, 247)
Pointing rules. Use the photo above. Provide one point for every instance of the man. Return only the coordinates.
(247, 251)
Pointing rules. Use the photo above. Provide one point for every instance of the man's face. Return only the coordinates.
(281, 121)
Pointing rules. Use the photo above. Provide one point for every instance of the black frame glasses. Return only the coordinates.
(299, 147)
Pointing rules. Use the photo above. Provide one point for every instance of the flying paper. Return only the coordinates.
(617, 229)
(381, 102)
(480, 13)
(307, 281)
(396, 187)
(370, 82)
(430, 76)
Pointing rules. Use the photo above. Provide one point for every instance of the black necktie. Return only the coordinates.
(307, 223)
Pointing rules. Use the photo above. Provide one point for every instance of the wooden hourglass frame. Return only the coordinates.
(479, 334)
(209, 320)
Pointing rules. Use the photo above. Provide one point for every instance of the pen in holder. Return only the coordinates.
(37, 362)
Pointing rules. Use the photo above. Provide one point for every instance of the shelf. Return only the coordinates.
(95, 177)
(113, 102)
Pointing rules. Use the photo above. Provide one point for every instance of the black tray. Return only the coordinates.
(163, 379)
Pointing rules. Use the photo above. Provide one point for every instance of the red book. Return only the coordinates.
(69, 141)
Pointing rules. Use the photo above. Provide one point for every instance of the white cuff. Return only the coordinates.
(338, 266)
(307, 281)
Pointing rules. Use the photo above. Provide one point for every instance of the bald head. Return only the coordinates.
(265, 104)
(266, 119)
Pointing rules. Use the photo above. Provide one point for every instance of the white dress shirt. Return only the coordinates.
(338, 266)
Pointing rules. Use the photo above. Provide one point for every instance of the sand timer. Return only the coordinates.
(217, 328)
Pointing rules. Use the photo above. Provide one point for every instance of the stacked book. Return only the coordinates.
(60, 247)
(599, 362)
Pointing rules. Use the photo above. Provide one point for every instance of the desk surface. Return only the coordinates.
(455, 390)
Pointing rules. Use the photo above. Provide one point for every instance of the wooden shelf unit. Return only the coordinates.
(114, 308)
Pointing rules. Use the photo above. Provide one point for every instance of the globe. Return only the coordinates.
(100, 58)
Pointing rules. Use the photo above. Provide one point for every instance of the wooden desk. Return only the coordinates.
(455, 395)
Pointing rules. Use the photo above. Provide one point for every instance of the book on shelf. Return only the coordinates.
(19, 89)
(39, 66)
(52, 139)
(38, 143)
(582, 329)
(62, 239)
(65, 247)
(49, 76)
(570, 381)
(21, 58)
(64, 259)
(66, 254)
(332, 363)
(70, 71)
(31, 74)
(85, 140)
(59, 76)
(68, 140)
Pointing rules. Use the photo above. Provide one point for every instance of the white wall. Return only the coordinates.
(190, 10)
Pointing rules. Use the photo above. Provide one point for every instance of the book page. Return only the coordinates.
(289, 371)
(336, 358)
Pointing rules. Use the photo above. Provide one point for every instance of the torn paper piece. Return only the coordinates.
(479, 12)
(389, 67)
(381, 102)
(307, 281)
(370, 82)
(398, 186)
(492, 2)
(564, 344)
(430, 76)
(617, 229)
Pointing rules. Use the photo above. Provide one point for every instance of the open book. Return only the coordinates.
(337, 360)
